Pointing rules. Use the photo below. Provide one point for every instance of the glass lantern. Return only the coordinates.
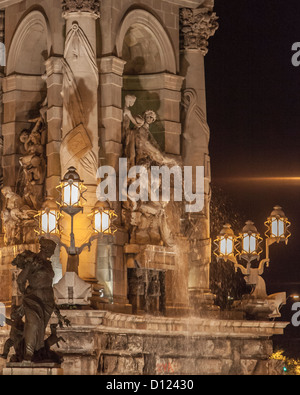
(249, 242)
(102, 219)
(48, 218)
(277, 225)
(225, 244)
(71, 189)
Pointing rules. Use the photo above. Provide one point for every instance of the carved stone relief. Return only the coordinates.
(147, 221)
(81, 6)
(197, 26)
(76, 147)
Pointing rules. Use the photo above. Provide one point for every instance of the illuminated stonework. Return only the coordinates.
(85, 91)
(92, 6)
(197, 26)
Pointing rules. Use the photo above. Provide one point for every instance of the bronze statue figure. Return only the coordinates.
(38, 304)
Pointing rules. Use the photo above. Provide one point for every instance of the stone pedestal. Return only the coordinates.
(72, 290)
(32, 369)
(107, 343)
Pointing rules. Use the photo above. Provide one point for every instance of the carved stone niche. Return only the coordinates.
(146, 291)
(173, 262)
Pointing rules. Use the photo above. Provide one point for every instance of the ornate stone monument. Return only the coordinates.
(87, 84)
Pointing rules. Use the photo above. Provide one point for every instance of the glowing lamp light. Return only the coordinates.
(277, 225)
(72, 189)
(225, 248)
(48, 218)
(103, 217)
(71, 194)
(250, 241)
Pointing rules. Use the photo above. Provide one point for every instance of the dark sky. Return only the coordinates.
(253, 89)
(253, 104)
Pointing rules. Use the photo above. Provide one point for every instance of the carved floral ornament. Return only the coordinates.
(197, 26)
(91, 6)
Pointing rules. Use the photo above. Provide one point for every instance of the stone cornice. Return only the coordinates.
(193, 3)
(197, 25)
(181, 3)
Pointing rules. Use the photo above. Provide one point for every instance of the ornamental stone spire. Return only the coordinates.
(196, 27)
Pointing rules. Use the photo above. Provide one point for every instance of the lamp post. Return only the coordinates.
(247, 247)
(71, 203)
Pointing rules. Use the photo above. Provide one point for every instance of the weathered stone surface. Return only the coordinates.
(94, 346)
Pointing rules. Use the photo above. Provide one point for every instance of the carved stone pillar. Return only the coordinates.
(79, 145)
(197, 25)
(54, 122)
(80, 89)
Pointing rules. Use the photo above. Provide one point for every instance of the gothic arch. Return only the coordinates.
(30, 46)
(142, 26)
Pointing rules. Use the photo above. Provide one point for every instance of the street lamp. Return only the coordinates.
(71, 202)
(247, 247)
(103, 219)
(48, 218)
(277, 226)
(71, 289)
(71, 189)
(225, 244)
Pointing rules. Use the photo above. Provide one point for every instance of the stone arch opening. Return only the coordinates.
(144, 44)
(150, 75)
(30, 46)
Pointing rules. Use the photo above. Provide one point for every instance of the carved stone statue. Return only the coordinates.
(18, 219)
(259, 304)
(33, 160)
(35, 285)
(148, 220)
(128, 137)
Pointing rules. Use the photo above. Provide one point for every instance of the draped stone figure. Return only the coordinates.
(77, 145)
(148, 219)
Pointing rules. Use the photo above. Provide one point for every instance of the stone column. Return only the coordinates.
(80, 140)
(80, 89)
(197, 25)
(111, 267)
(54, 121)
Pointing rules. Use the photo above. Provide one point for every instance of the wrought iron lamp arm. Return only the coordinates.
(266, 260)
(89, 243)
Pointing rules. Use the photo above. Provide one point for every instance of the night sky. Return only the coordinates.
(253, 105)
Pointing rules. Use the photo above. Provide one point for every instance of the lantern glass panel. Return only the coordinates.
(226, 246)
(71, 193)
(278, 228)
(98, 222)
(44, 221)
(102, 221)
(249, 243)
(48, 221)
(52, 221)
(105, 221)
